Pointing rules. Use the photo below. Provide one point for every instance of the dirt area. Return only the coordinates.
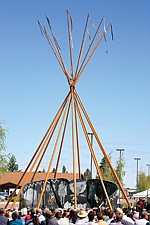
(3, 203)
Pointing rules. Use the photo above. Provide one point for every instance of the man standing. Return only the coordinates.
(3, 218)
(143, 220)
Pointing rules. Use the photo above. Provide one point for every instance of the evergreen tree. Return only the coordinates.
(3, 156)
(64, 170)
(12, 164)
(53, 170)
(105, 169)
(87, 174)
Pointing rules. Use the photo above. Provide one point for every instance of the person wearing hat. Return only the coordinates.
(143, 220)
(82, 215)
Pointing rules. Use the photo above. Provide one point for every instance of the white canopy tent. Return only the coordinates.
(142, 194)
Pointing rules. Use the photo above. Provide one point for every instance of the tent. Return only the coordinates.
(142, 194)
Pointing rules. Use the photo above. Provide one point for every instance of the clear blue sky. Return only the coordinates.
(115, 87)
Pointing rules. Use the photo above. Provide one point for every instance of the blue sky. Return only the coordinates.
(115, 87)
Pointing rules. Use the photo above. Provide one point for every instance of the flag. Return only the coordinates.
(112, 35)
(48, 21)
(40, 28)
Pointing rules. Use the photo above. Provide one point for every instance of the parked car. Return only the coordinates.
(2, 196)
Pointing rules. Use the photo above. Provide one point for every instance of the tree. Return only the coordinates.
(105, 169)
(87, 174)
(12, 164)
(64, 170)
(3, 156)
(53, 170)
(143, 181)
(120, 163)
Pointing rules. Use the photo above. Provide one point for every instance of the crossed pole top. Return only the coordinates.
(74, 75)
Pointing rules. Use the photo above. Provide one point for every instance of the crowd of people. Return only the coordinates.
(98, 216)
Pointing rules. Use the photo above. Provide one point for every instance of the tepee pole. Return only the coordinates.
(77, 143)
(90, 56)
(101, 147)
(93, 155)
(52, 157)
(44, 151)
(29, 164)
(73, 149)
(82, 44)
(55, 51)
(88, 50)
(62, 140)
(70, 42)
(46, 142)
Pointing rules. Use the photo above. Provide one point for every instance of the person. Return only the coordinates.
(82, 217)
(34, 220)
(49, 219)
(140, 206)
(60, 219)
(72, 216)
(15, 219)
(111, 216)
(100, 219)
(91, 218)
(127, 220)
(40, 215)
(143, 220)
(118, 219)
(3, 219)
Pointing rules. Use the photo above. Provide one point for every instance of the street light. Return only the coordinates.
(148, 165)
(120, 150)
(137, 172)
(91, 134)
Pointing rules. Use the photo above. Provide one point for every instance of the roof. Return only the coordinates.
(142, 194)
(14, 177)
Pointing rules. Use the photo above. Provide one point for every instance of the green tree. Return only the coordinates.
(87, 174)
(12, 164)
(64, 170)
(143, 181)
(120, 163)
(105, 169)
(53, 170)
(3, 156)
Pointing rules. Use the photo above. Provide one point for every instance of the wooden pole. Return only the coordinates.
(70, 43)
(93, 156)
(91, 54)
(46, 142)
(82, 44)
(56, 53)
(62, 140)
(77, 140)
(101, 147)
(86, 55)
(54, 125)
(52, 158)
(73, 150)
(29, 164)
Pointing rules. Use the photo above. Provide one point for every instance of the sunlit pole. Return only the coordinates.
(120, 150)
(91, 134)
(137, 170)
(148, 165)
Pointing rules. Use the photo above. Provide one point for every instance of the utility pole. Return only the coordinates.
(91, 134)
(120, 150)
(148, 165)
(137, 170)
